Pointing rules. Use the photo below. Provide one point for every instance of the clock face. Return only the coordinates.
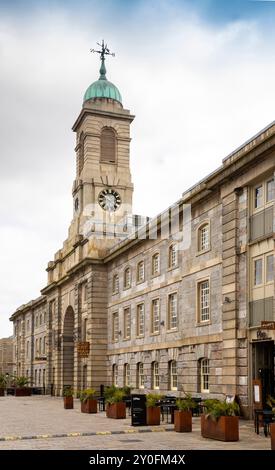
(109, 200)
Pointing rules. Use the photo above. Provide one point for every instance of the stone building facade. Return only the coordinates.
(159, 308)
(6, 356)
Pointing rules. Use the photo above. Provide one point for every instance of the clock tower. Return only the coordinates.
(102, 190)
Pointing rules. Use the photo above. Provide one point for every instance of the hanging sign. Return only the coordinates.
(83, 349)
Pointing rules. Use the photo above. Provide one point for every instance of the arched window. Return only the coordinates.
(155, 375)
(40, 319)
(115, 284)
(140, 375)
(127, 278)
(108, 145)
(40, 346)
(127, 375)
(204, 237)
(173, 375)
(155, 264)
(115, 375)
(204, 375)
(173, 256)
(140, 272)
(44, 345)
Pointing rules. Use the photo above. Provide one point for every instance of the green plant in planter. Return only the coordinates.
(3, 381)
(109, 391)
(87, 394)
(116, 397)
(68, 392)
(22, 381)
(216, 408)
(152, 399)
(186, 404)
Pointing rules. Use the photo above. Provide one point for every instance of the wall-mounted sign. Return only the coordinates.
(261, 334)
(257, 393)
(268, 325)
(83, 349)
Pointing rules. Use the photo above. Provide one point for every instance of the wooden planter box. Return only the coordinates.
(226, 428)
(23, 392)
(68, 403)
(272, 434)
(2, 392)
(89, 406)
(116, 410)
(153, 415)
(183, 421)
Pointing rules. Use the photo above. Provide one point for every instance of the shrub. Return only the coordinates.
(3, 381)
(216, 408)
(116, 397)
(21, 381)
(68, 392)
(186, 404)
(109, 391)
(152, 399)
(87, 394)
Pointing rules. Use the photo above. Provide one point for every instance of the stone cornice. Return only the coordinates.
(215, 338)
(30, 305)
(97, 112)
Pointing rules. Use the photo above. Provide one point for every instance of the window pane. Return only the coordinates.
(140, 320)
(155, 314)
(127, 323)
(173, 256)
(155, 375)
(140, 271)
(270, 190)
(205, 371)
(204, 238)
(258, 270)
(258, 197)
(173, 317)
(174, 375)
(155, 264)
(115, 327)
(204, 301)
(269, 268)
(140, 375)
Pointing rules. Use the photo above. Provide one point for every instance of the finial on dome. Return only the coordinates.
(103, 52)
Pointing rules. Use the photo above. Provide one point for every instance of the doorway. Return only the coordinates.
(68, 348)
(263, 367)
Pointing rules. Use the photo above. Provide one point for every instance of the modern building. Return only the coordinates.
(178, 305)
(6, 356)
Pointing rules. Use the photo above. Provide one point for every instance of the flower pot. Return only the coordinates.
(226, 428)
(116, 410)
(272, 434)
(68, 403)
(2, 392)
(153, 415)
(182, 421)
(23, 392)
(89, 406)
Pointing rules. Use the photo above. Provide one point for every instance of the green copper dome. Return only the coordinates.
(102, 88)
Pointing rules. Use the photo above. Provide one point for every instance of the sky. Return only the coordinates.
(197, 74)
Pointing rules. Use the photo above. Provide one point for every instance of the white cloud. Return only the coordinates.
(198, 91)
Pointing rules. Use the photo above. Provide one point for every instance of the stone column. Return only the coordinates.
(230, 292)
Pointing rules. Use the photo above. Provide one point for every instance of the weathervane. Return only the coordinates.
(103, 52)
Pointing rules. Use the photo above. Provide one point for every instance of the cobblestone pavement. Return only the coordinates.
(40, 415)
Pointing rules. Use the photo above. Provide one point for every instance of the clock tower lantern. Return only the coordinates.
(102, 190)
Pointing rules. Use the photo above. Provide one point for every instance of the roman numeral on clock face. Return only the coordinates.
(109, 199)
